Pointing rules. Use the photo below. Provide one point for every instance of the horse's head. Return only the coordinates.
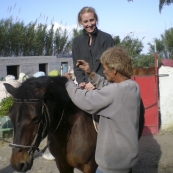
(30, 121)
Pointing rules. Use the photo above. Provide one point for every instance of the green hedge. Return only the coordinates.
(5, 104)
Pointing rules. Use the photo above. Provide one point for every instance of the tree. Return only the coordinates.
(39, 39)
(162, 3)
(60, 40)
(117, 40)
(49, 42)
(29, 40)
(68, 46)
(133, 45)
(143, 61)
(164, 45)
(5, 105)
(168, 40)
(4, 38)
(34, 39)
(76, 32)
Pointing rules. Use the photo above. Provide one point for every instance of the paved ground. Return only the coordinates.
(156, 156)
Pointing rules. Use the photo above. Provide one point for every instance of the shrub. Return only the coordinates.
(5, 104)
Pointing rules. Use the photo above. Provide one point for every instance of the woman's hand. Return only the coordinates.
(89, 86)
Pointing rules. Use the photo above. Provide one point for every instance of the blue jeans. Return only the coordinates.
(98, 171)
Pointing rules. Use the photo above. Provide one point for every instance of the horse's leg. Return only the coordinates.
(63, 166)
(60, 159)
(90, 167)
(81, 144)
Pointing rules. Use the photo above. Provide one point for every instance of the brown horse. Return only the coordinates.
(143, 71)
(42, 107)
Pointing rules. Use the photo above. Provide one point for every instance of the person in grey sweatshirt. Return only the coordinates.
(117, 102)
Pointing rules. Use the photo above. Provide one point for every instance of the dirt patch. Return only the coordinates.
(155, 156)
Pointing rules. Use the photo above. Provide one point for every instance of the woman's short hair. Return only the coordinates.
(117, 58)
(87, 10)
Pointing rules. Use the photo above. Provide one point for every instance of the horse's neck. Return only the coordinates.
(58, 112)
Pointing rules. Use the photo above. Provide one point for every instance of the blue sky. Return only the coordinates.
(117, 17)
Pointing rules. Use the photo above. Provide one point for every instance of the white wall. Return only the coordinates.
(166, 97)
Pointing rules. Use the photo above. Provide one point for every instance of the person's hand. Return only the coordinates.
(83, 65)
(82, 85)
(89, 86)
(68, 76)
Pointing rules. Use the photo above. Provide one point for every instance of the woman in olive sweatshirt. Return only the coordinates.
(90, 45)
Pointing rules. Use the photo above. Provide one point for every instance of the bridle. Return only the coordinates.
(41, 130)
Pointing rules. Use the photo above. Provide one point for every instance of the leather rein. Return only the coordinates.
(41, 130)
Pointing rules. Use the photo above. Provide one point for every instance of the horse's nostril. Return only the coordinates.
(21, 166)
(24, 165)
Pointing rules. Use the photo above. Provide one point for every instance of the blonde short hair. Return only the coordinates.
(118, 58)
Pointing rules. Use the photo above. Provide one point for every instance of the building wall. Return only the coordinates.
(166, 96)
(30, 64)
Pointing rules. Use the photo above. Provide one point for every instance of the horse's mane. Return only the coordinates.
(55, 97)
(56, 88)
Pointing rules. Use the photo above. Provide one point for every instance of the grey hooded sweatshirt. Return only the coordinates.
(118, 105)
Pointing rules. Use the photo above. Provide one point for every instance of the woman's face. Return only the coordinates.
(88, 22)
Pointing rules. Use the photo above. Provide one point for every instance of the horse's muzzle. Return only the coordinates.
(22, 163)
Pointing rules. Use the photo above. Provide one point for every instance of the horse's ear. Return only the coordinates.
(10, 89)
(42, 90)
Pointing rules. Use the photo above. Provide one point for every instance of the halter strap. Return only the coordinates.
(27, 100)
(45, 114)
(25, 147)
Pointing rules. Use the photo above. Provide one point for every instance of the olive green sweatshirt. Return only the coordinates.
(118, 105)
(101, 41)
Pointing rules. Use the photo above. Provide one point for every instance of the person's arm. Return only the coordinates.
(84, 66)
(94, 78)
(92, 101)
(98, 81)
(79, 74)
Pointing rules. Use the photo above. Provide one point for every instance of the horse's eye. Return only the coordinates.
(32, 113)
(35, 119)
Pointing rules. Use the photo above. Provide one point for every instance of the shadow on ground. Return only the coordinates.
(7, 169)
(149, 155)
